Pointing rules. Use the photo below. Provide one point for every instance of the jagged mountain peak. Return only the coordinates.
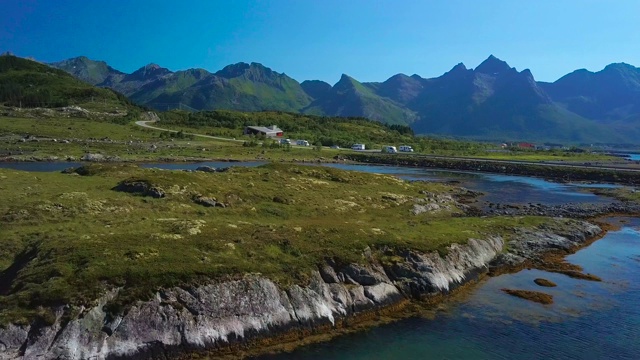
(527, 73)
(456, 71)
(151, 68)
(323, 83)
(233, 70)
(345, 77)
(620, 66)
(401, 88)
(91, 71)
(402, 80)
(145, 74)
(399, 80)
(493, 66)
(346, 83)
(253, 70)
(316, 88)
(582, 71)
(459, 67)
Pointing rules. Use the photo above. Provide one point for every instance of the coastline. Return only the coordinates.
(322, 308)
(375, 282)
(532, 169)
(540, 170)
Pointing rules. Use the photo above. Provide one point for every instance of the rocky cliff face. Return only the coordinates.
(240, 311)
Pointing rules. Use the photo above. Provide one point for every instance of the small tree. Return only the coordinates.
(317, 146)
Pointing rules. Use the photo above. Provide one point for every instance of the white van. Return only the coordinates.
(406, 148)
(302, 142)
(389, 149)
(357, 147)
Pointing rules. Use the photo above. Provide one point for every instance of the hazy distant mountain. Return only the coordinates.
(316, 89)
(402, 88)
(607, 95)
(496, 99)
(348, 97)
(240, 86)
(492, 101)
(87, 70)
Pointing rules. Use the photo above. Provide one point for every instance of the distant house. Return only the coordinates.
(524, 145)
(271, 131)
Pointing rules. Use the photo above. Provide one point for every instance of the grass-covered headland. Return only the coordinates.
(67, 238)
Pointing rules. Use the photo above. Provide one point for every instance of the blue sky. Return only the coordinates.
(321, 39)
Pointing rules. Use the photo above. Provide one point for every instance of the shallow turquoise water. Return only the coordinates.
(503, 189)
(588, 320)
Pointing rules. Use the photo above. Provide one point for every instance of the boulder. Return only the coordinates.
(93, 157)
(140, 187)
(208, 201)
(208, 169)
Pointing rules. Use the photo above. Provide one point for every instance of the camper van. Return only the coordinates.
(357, 147)
(389, 149)
(406, 148)
(302, 142)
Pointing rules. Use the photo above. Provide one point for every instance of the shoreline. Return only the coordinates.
(413, 307)
(547, 171)
(539, 170)
(394, 301)
(392, 295)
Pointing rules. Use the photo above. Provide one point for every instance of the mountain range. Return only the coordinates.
(492, 101)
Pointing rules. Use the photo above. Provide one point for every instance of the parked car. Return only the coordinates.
(406, 148)
(389, 149)
(302, 143)
(357, 147)
(335, 147)
(285, 141)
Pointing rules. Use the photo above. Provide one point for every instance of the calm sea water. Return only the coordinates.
(498, 188)
(634, 157)
(588, 320)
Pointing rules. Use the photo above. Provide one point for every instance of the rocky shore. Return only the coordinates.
(576, 211)
(254, 311)
(547, 171)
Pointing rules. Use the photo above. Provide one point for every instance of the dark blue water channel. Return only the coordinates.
(498, 188)
(588, 320)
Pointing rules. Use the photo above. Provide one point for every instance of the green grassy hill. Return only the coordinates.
(316, 129)
(26, 83)
(70, 238)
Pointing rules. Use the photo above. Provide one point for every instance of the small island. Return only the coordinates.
(544, 282)
(535, 296)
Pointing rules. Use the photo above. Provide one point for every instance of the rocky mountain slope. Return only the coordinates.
(492, 101)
